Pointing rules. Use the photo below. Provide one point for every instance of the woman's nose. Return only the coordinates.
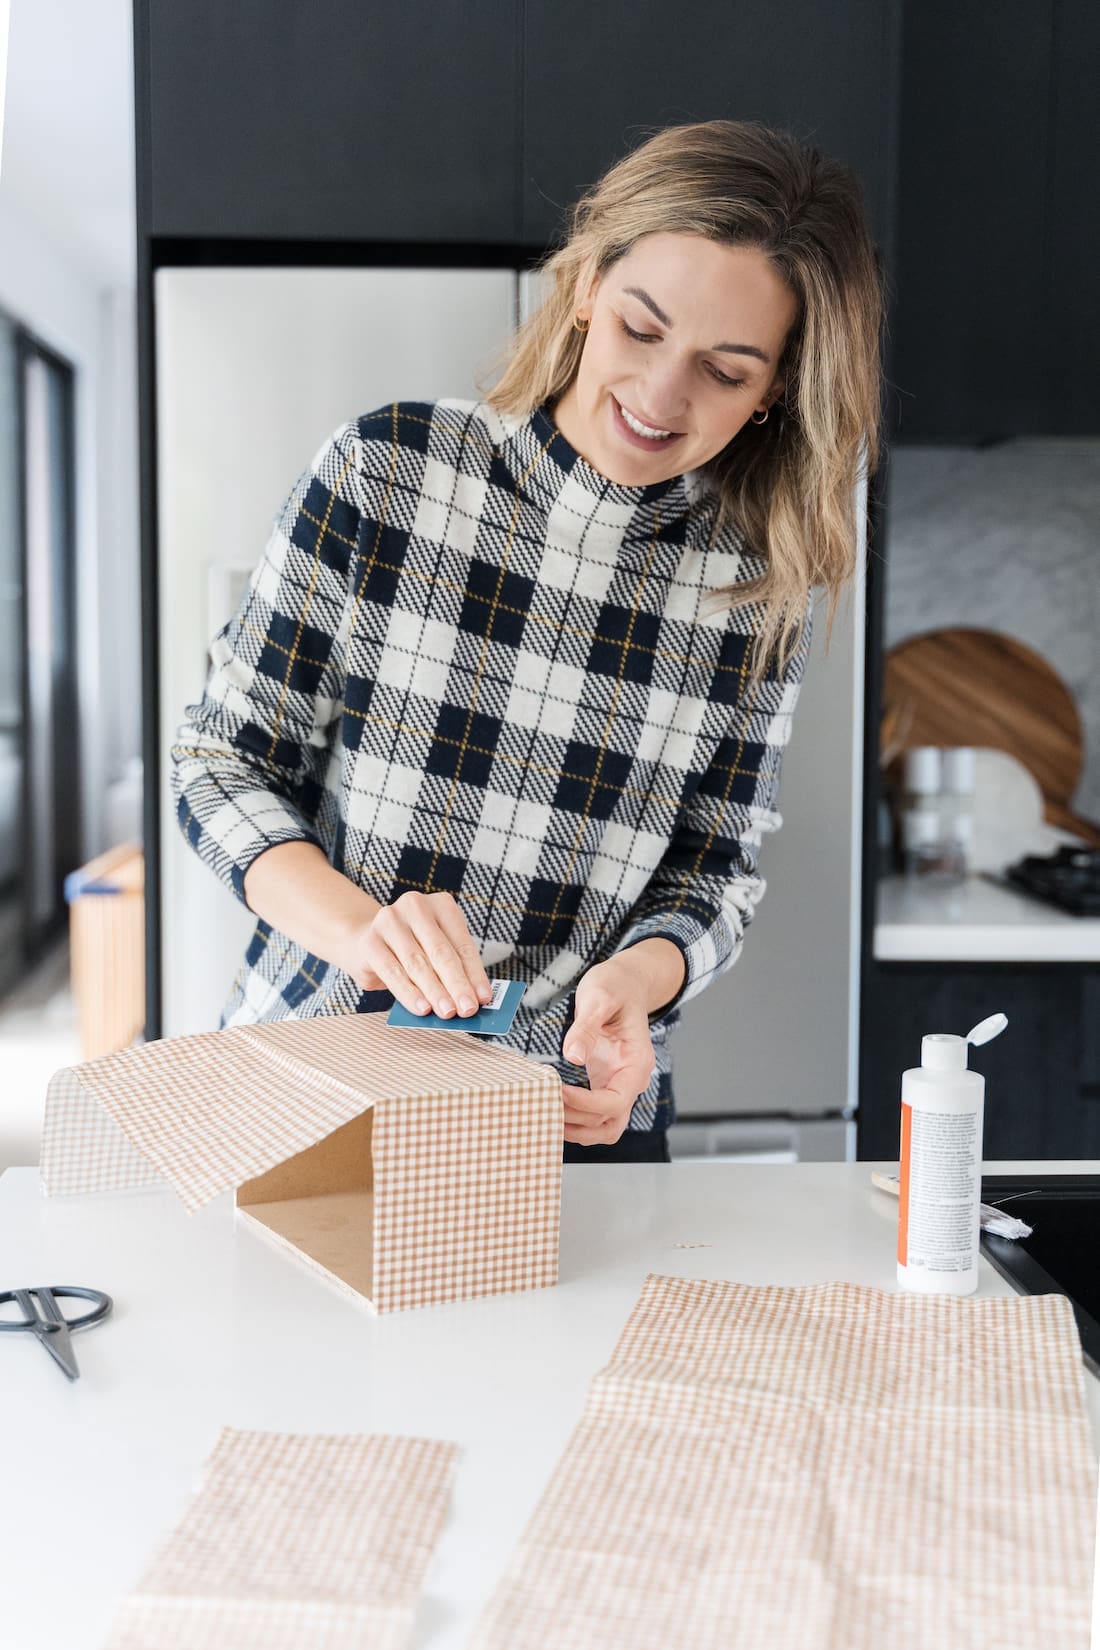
(666, 393)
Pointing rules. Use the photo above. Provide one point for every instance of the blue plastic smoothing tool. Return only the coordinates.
(491, 1021)
(43, 1317)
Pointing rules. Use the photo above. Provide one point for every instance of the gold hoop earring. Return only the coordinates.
(763, 420)
(577, 323)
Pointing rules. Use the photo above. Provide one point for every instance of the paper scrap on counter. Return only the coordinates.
(992, 1219)
(293, 1541)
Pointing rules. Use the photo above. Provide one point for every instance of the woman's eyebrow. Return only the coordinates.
(730, 349)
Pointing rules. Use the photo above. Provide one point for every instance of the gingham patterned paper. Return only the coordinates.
(822, 1468)
(467, 1197)
(83, 1148)
(296, 1543)
(466, 1139)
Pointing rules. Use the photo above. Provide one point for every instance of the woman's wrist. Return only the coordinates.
(293, 887)
(659, 968)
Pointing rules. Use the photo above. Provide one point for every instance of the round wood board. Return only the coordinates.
(976, 687)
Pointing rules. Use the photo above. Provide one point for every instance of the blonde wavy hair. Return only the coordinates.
(788, 486)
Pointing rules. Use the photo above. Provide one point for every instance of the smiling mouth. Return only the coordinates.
(643, 433)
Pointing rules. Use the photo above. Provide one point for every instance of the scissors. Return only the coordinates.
(43, 1317)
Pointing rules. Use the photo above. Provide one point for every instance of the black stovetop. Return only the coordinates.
(1069, 879)
(1062, 1255)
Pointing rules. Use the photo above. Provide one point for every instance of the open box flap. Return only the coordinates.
(209, 1111)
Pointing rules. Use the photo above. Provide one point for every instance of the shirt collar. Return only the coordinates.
(542, 462)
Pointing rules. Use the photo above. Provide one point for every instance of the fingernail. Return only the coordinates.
(575, 1051)
(422, 1007)
(446, 1006)
(468, 1005)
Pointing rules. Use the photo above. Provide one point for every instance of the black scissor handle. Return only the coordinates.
(102, 1306)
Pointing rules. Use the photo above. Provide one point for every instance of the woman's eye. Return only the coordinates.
(652, 338)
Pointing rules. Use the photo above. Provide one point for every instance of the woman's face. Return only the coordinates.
(685, 339)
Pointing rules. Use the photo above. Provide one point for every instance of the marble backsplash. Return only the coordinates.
(1004, 538)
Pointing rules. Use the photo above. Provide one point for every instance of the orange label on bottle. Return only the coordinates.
(903, 1197)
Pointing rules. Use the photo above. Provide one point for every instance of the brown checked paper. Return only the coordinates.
(823, 1468)
(294, 1542)
(410, 1167)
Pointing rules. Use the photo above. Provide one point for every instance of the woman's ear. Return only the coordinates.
(584, 293)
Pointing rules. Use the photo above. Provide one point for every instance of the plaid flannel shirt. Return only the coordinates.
(469, 662)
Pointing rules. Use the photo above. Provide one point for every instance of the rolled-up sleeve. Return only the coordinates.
(707, 886)
(248, 763)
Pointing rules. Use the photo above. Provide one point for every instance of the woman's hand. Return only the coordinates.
(420, 949)
(610, 1037)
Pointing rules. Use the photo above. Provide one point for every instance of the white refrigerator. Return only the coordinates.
(254, 369)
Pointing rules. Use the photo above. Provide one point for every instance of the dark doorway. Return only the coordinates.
(40, 815)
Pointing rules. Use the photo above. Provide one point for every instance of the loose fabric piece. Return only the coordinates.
(822, 1468)
(293, 1541)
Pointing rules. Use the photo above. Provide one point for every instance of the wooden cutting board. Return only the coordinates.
(977, 687)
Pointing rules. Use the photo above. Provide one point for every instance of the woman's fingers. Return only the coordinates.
(423, 950)
(585, 1122)
(397, 982)
(583, 1128)
(588, 1114)
(596, 1117)
(396, 956)
(593, 1137)
(473, 982)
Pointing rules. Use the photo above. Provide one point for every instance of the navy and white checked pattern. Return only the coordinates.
(469, 662)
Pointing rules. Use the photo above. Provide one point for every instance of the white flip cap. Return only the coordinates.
(986, 1030)
(941, 1052)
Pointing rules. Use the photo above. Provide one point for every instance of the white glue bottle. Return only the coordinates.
(941, 1165)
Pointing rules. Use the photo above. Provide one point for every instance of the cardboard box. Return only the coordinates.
(409, 1167)
(107, 949)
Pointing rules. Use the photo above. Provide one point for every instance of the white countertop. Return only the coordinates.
(976, 921)
(214, 1327)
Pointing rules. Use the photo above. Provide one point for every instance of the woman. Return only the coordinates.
(508, 692)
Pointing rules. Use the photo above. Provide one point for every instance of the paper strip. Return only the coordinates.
(295, 1541)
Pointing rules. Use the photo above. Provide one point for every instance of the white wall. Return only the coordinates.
(255, 370)
(93, 328)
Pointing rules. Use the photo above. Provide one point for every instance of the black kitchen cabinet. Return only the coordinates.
(1073, 222)
(332, 121)
(475, 124)
(996, 325)
(596, 78)
(973, 128)
(1042, 1096)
